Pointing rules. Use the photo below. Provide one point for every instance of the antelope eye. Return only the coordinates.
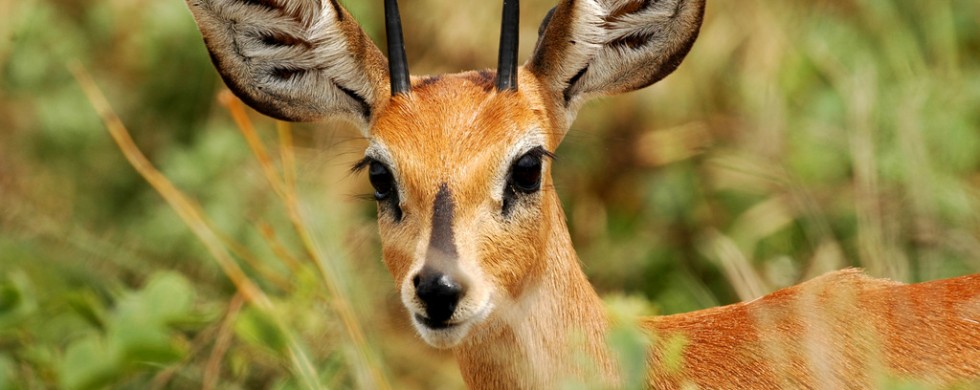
(525, 175)
(382, 180)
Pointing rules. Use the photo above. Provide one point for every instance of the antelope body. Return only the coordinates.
(477, 242)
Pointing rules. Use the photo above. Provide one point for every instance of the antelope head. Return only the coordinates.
(461, 163)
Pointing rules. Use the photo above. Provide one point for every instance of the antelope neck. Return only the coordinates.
(541, 340)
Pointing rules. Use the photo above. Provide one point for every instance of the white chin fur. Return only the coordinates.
(442, 338)
(451, 336)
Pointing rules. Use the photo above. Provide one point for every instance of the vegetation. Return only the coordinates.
(798, 137)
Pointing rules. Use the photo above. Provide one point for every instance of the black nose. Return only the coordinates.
(439, 293)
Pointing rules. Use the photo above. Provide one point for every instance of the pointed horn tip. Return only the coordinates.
(509, 42)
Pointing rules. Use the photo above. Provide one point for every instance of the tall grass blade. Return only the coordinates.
(192, 215)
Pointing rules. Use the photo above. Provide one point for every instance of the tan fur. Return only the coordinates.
(528, 317)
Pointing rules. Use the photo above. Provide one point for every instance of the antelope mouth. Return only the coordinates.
(432, 324)
(476, 317)
(447, 334)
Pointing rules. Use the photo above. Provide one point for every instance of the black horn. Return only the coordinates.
(397, 61)
(509, 35)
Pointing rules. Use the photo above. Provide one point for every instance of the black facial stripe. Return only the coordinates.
(441, 238)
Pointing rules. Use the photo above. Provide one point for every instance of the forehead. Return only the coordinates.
(453, 120)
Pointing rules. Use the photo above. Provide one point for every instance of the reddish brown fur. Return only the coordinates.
(544, 325)
(842, 330)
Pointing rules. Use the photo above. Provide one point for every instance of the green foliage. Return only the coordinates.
(16, 300)
(630, 344)
(138, 333)
(798, 136)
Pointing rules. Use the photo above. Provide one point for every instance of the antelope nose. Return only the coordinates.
(439, 293)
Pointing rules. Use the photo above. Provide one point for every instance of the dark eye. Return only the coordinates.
(525, 175)
(382, 180)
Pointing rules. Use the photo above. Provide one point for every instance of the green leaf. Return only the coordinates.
(628, 341)
(138, 343)
(88, 364)
(88, 306)
(16, 302)
(673, 353)
(169, 296)
(9, 298)
(139, 328)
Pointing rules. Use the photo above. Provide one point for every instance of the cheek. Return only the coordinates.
(513, 258)
(398, 263)
(397, 248)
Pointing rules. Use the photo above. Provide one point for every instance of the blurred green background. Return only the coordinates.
(798, 137)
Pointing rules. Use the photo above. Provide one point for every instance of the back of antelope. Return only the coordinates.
(478, 246)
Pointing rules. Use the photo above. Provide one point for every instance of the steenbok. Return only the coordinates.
(482, 256)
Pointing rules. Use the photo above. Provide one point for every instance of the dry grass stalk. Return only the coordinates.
(366, 365)
(195, 219)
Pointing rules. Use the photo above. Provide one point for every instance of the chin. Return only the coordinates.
(449, 335)
(445, 337)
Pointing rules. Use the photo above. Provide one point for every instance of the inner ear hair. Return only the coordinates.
(594, 47)
(295, 60)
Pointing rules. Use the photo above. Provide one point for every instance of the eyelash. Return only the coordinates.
(390, 197)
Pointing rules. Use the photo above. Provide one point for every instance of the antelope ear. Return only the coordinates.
(295, 60)
(602, 47)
